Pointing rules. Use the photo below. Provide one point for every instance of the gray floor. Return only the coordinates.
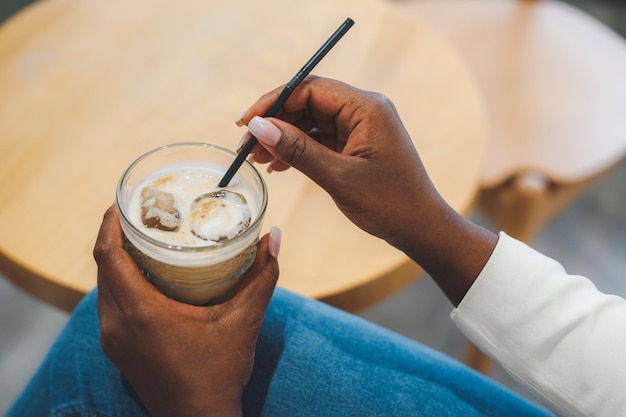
(589, 238)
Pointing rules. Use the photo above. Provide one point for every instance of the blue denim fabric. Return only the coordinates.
(311, 360)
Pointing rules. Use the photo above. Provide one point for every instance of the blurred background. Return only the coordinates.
(589, 238)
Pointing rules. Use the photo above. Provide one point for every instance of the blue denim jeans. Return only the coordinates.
(311, 360)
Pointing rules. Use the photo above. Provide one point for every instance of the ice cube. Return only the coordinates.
(158, 211)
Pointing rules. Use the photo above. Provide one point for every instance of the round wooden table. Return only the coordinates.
(87, 87)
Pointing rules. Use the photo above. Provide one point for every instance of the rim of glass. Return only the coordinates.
(164, 245)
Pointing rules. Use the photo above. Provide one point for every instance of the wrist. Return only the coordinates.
(450, 248)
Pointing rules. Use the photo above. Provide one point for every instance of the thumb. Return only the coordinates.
(258, 285)
(294, 147)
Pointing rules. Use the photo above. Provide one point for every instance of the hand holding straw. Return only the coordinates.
(284, 95)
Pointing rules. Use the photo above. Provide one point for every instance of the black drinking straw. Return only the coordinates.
(284, 95)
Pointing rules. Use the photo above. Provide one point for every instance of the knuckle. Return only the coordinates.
(270, 274)
(310, 78)
(381, 102)
(103, 253)
(110, 211)
(297, 151)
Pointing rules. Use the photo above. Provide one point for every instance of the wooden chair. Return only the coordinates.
(554, 83)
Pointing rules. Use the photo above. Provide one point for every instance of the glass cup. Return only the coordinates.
(205, 272)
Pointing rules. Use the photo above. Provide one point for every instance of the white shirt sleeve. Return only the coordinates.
(555, 333)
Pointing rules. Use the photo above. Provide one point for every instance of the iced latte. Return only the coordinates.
(192, 239)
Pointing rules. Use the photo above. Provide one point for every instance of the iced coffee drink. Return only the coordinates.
(192, 239)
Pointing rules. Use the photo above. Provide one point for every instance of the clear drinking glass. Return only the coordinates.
(199, 275)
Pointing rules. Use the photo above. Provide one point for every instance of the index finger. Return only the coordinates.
(323, 97)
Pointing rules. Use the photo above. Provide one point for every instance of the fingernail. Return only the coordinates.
(264, 130)
(241, 141)
(274, 244)
(239, 121)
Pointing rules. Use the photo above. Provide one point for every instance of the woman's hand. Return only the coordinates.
(354, 145)
(182, 360)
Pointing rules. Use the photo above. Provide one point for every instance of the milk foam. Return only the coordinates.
(219, 215)
(205, 219)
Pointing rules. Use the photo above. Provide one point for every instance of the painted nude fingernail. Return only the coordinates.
(264, 130)
(239, 122)
(275, 240)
